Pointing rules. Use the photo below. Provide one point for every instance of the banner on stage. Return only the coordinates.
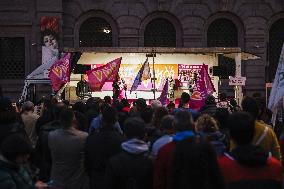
(128, 73)
(60, 72)
(203, 87)
(97, 77)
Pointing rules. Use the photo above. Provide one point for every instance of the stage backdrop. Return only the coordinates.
(181, 71)
(128, 72)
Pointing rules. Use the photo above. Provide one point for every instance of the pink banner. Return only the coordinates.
(107, 73)
(204, 87)
(60, 72)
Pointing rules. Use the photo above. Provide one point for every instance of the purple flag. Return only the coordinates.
(143, 74)
(163, 97)
(204, 87)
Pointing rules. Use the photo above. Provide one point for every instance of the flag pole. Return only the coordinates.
(153, 79)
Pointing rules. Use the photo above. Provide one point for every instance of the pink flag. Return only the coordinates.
(107, 73)
(60, 72)
(204, 87)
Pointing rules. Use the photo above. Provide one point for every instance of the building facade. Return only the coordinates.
(256, 26)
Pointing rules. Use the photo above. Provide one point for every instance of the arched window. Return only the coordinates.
(222, 33)
(160, 33)
(12, 57)
(276, 39)
(95, 32)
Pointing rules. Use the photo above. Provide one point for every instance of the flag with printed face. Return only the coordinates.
(277, 91)
(146, 74)
(204, 87)
(143, 74)
(107, 73)
(163, 97)
(60, 72)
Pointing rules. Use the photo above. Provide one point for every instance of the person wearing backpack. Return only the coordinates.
(264, 136)
(248, 165)
(132, 168)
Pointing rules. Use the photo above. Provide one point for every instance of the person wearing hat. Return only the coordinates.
(29, 118)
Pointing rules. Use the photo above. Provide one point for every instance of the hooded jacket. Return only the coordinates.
(252, 168)
(131, 169)
(218, 140)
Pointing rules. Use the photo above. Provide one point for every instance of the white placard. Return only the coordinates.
(237, 81)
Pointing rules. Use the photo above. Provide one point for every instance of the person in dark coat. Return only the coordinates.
(100, 146)
(15, 152)
(46, 114)
(93, 109)
(131, 168)
(1, 92)
(210, 106)
(195, 165)
(42, 151)
(10, 120)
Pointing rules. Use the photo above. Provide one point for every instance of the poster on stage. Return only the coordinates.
(128, 73)
(49, 27)
(188, 72)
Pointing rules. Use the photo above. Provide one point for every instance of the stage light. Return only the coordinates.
(106, 30)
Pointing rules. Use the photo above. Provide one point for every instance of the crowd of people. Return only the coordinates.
(112, 144)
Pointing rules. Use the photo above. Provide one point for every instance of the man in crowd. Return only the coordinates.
(131, 168)
(185, 105)
(67, 151)
(29, 118)
(184, 127)
(264, 136)
(100, 146)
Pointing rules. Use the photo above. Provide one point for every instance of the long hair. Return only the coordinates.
(158, 116)
(195, 166)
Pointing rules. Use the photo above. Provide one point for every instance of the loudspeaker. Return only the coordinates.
(227, 66)
(218, 70)
(81, 68)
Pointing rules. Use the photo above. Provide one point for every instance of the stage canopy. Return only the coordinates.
(167, 61)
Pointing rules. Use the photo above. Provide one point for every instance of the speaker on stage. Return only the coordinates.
(81, 68)
(226, 67)
(217, 70)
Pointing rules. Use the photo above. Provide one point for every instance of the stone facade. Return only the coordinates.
(128, 19)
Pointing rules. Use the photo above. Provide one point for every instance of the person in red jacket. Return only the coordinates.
(184, 126)
(247, 165)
